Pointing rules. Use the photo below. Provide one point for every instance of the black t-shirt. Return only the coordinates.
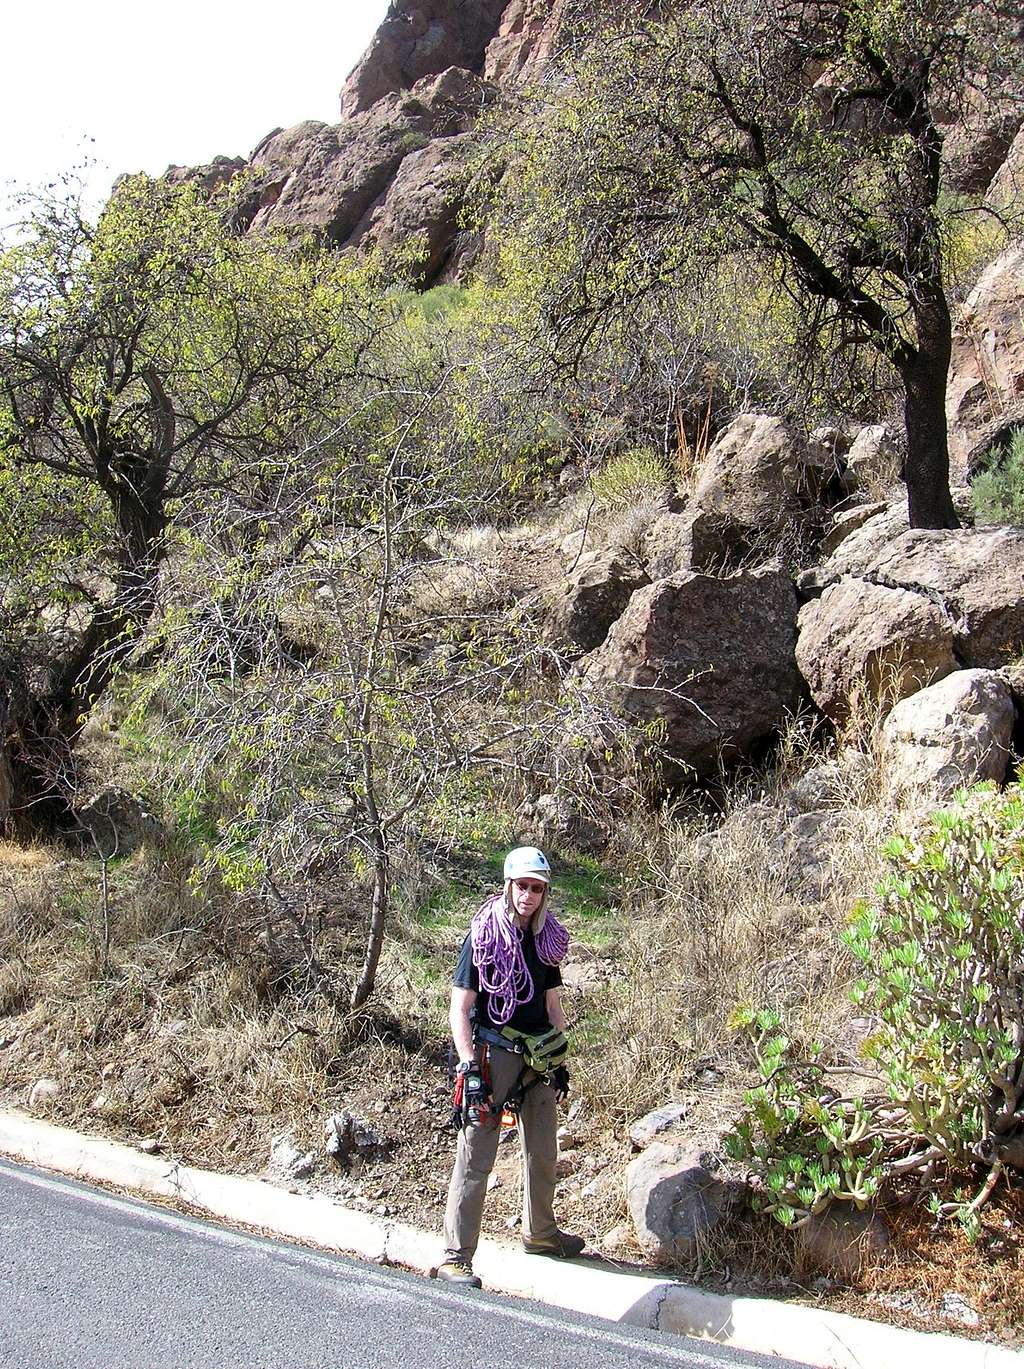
(530, 1016)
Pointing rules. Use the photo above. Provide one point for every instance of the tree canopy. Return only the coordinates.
(802, 138)
(142, 359)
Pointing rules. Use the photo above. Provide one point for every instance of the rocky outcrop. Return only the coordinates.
(710, 660)
(332, 180)
(867, 640)
(424, 200)
(420, 38)
(950, 735)
(526, 41)
(985, 395)
(397, 165)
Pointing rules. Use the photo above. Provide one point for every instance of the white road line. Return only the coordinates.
(267, 1247)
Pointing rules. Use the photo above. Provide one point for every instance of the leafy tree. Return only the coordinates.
(142, 360)
(802, 139)
(359, 674)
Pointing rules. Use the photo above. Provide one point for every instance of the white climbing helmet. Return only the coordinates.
(527, 860)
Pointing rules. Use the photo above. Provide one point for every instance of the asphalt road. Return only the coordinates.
(99, 1282)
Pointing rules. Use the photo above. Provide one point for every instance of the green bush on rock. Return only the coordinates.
(942, 946)
(997, 492)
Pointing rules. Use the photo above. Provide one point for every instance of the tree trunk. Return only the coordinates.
(924, 372)
(378, 918)
(40, 731)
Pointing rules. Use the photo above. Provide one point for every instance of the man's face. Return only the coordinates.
(527, 895)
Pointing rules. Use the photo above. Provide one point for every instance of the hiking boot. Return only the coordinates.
(560, 1246)
(457, 1270)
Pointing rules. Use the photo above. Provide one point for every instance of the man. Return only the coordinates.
(508, 1027)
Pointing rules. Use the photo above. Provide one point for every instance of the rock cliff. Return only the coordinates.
(397, 163)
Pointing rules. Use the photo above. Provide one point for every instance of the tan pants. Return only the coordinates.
(474, 1160)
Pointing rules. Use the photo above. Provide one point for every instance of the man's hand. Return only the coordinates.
(476, 1097)
(560, 1083)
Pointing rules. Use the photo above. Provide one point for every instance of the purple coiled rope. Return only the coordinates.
(498, 956)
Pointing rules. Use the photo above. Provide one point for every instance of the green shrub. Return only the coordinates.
(806, 1147)
(997, 491)
(634, 475)
(942, 946)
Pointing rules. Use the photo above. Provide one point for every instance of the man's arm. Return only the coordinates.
(458, 1018)
(553, 1005)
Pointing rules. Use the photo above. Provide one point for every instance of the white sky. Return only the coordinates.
(136, 85)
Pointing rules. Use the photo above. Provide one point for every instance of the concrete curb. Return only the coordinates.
(831, 1340)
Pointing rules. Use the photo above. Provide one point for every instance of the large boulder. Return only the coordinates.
(872, 463)
(752, 493)
(866, 639)
(985, 393)
(712, 660)
(859, 542)
(954, 733)
(976, 148)
(674, 1201)
(841, 1241)
(976, 577)
(597, 593)
(847, 521)
(667, 546)
(113, 822)
(1006, 191)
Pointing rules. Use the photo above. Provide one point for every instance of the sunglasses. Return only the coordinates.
(529, 886)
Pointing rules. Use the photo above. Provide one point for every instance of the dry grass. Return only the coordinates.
(20, 858)
(927, 1265)
(738, 909)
